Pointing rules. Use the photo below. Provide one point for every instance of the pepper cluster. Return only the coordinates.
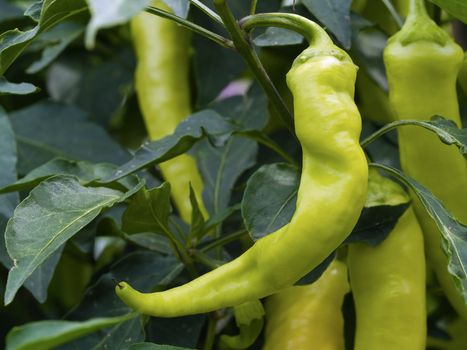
(387, 281)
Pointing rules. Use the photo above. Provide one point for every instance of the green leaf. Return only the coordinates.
(278, 37)
(55, 210)
(222, 166)
(117, 337)
(151, 241)
(368, 43)
(385, 203)
(179, 331)
(109, 13)
(8, 11)
(197, 220)
(249, 320)
(77, 138)
(151, 346)
(189, 131)
(13, 42)
(8, 88)
(8, 202)
(148, 211)
(335, 15)
(179, 7)
(447, 131)
(55, 41)
(101, 87)
(453, 233)
(44, 335)
(210, 76)
(269, 199)
(456, 8)
(86, 173)
(39, 281)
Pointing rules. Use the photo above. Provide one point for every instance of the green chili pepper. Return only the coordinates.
(308, 317)
(422, 64)
(162, 84)
(462, 78)
(330, 198)
(388, 286)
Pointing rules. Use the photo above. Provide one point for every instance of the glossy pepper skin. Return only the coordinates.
(388, 286)
(422, 63)
(309, 317)
(462, 78)
(331, 195)
(161, 81)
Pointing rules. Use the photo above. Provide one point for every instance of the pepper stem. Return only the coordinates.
(312, 32)
(417, 9)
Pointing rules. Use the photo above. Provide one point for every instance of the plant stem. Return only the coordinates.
(210, 333)
(392, 126)
(207, 10)
(253, 7)
(393, 13)
(243, 46)
(206, 261)
(224, 240)
(219, 39)
(266, 141)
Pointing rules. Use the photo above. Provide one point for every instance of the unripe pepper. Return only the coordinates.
(309, 317)
(422, 64)
(162, 84)
(330, 197)
(463, 75)
(388, 286)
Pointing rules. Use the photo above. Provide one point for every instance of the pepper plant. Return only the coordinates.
(197, 174)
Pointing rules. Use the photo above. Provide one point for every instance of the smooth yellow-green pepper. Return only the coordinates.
(309, 317)
(330, 198)
(388, 286)
(422, 64)
(162, 84)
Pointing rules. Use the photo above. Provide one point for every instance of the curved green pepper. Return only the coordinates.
(331, 195)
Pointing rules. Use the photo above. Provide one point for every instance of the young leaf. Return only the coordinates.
(55, 210)
(13, 42)
(189, 131)
(148, 211)
(76, 137)
(109, 13)
(453, 233)
(50, 334)
(269, 199)
(335, 15)
(8, 88)
(197, 219)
